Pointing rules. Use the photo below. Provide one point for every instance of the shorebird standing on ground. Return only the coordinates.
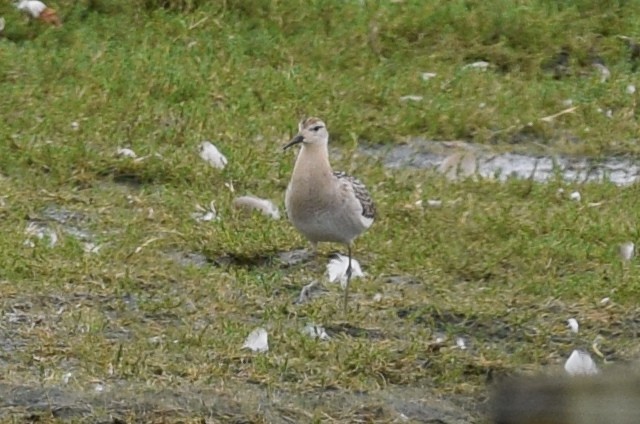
(325, 206)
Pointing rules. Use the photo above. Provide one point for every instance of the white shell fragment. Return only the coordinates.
(257, 341)
(210, 154)
(461, 343)
(315, 332)
(626, 251)
(573, 325)
(266, 207)
(411, 98)
(631, 89)
(75, 125)
(32, 7)
(337, 269)
(126, 153)
(481, 64)
(580, 363)
(2, 24)
(575, 196)
(426, 76)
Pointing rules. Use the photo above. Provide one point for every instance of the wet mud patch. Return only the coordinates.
(461, 159)
(241, 403)
(53, 221)
(281, 259)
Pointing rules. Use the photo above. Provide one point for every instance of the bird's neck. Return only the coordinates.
(312, 162)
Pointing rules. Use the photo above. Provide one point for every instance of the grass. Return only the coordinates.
(502, 265)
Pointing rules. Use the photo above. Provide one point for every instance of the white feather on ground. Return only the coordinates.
(266, 207)
(573, 325)
(210, 154)
(127, 153)
(626, 251)
(580, 363)
(32, 7)
(337, 269)
(257, 341)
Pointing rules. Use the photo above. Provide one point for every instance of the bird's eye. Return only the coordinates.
(316, 128)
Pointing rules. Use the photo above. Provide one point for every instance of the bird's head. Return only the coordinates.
(310, 131)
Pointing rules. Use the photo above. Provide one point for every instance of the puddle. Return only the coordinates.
(466, 159)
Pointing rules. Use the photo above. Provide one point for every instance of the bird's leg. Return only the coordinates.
(346, 288)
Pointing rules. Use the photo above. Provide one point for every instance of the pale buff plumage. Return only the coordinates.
(325, 206)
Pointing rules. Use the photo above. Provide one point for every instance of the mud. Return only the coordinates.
(456, 159)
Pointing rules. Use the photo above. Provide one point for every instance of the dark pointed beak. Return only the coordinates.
(296, 140)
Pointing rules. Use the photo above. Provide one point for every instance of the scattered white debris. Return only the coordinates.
(2, 24)
(572, 323)
(461, 343)
(257, 341)
(99, 387)
(440, 338)
(305, 293)
(210, 154)
(626, 251)
(575, 196)
(403, 417)
(482, 105)
(411, 98)
(605, 301)
(40, 232)
(315, 332)
(604, 71)
(255, 203)
(434, 203)
(377, 297)
(337, 269)
(89, 247)
(33, 8)
(426, 76)
(580, 363)
(66, 377)
(75, 126)
(205, 215)
(155, 339)
(567, 102)
(481, 64)
(126, 153)
(631, 89)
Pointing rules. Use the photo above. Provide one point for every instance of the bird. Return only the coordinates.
(323, 205)
(38, 10)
